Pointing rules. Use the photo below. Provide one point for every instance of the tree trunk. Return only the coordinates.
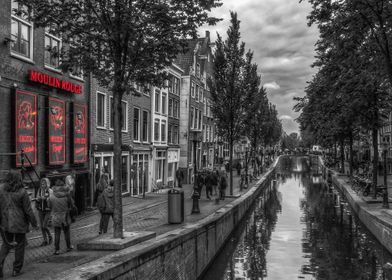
(342, 156)
(375, 159)
(117, 111)
(351, 154)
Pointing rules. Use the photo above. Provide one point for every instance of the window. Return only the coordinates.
(157, 97)
(170, 134)
(204, 133)
(176, 108)
(76, 71)
(163, 131)
(198, 70)
(101, 106)
(199, 126)
(205, 107)
(193, 89)
(156, 130)
(170, 107)
(164, 104)
(52, 50)
(146, 90)
(175, 135)
(145, 127)
(21, 31)
(124, 115)
(124, 174)
(176, 85)
(197, 93)
(136, 124)
(192, 116)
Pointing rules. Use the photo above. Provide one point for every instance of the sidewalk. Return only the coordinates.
(149, 214)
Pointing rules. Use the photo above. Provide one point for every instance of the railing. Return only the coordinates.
(24, 165)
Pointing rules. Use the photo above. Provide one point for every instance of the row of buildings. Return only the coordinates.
(63, 120)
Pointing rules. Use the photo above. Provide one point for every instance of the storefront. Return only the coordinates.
(160, 167)
(103, 162)
(49, 126)
(140, 172)
(173, 159)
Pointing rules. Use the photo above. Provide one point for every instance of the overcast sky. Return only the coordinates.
(283, 46)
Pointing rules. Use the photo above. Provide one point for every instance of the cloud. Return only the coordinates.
(285, 117)
(272, 85)
(283, 46)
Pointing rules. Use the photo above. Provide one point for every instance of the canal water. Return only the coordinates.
(300, 228)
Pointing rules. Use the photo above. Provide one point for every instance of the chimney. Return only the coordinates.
(207, 34)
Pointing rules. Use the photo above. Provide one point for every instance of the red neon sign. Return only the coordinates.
(51, 81)
(79, 133)
(26, 126)
(56, 131)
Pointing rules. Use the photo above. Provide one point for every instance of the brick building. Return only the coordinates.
(195, 63)
(44, 109)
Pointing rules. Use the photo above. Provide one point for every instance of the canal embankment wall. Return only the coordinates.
(376, 219)
(184, 253)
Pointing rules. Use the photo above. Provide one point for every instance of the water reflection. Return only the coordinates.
(300, 229)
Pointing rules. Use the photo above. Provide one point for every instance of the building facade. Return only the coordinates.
(45, 110)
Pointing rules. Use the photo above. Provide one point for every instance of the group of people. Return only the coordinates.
(214, 182)
(55, 206)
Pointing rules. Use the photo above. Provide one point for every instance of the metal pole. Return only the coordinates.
(196, 194)
(385, 190)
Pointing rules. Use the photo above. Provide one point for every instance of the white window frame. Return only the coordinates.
(138, 140)
(163, 123)
(157, 99)
(104, 110)
(164, 96)
(31, 26)
(60, 41)
(157, 121)
(193, 89)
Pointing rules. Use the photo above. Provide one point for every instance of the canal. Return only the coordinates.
(300, 228)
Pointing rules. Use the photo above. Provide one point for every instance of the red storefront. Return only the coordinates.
(50, 128)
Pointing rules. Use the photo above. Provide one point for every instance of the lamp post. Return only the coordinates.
(196, 194)
(385, 203)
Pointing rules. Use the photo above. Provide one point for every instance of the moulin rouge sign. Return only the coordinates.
(51, 81)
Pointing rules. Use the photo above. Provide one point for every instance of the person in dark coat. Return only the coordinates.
(222, 187)
(105, 205)
(179, 177)
(214, 181)
(16, 215)
(208, 182)
(41, 203)
(60, 203)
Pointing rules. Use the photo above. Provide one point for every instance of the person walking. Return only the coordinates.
(105, 205)
(179, 177)
(222, 187)
(60, 203)
(16, 214)
(41, 203)
(214, 181)
(208, 183)
(102, 185)
(70, 184)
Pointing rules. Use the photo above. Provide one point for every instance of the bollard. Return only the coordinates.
(195, 202)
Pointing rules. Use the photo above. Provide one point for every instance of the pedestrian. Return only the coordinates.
(101, 186)
(41, 203)
(70, 184)
(214, 181)
(179, 177)
(239, 168)
(200, 182)
(222, 187)
(105, 205)
(209, 183)
(60, 203)
(16, 215)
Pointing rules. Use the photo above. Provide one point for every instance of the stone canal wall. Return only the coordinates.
(184, 253)
(376, 219)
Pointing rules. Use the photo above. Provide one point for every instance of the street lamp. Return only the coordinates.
(385, 203)
(196, 194)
